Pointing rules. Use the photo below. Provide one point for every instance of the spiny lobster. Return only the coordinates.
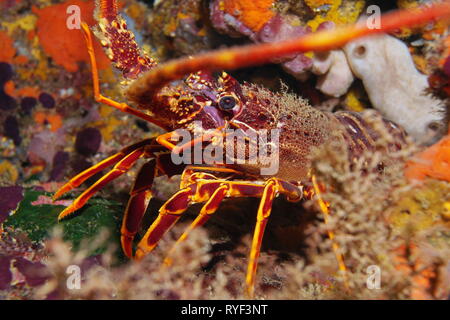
(201, 103)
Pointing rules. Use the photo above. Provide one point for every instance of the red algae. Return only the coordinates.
(65, 46)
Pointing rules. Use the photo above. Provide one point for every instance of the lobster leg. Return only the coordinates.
(164, 139)
(326, 213)
(272, 189)
(120, 168)
(86, 174)
(206, 212)
(218, 189)
(98, 96)
(140, 196)
(199, 191)
(264, 210)
(169, 213)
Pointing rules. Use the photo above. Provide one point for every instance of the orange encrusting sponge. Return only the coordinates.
(254, 14)
(433, 162)
(66, 46)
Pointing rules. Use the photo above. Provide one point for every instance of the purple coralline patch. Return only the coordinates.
(5, 272)
(90, 262)
(27, 104)
(11, 129)
(88, 141)
(47, 100)
(35, 273)
(167, 294)
(60, 161)
(225, 23)
(6, 73)
(281, 28)
(45, 145)
(9, 200)
(446, 67)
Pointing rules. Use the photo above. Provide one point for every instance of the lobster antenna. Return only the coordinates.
(107, 9)
(150, 82)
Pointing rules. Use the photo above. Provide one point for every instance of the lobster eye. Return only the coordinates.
(227, 102)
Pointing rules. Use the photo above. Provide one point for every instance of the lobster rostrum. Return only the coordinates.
(203, 103)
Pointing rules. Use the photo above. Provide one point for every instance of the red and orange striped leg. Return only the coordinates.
(199, 191)
(216, 191)
(324, 207)
(193, 173)
(140, 196)
(206, 212)
(120, 168)
(264, 210)
(91, 171)
(96, 82)
(223, 189)
(169, 213)
(165, 140)
(272, 188)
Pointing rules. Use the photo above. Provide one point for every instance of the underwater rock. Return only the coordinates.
(284, 27)
(176, 27)
(240, 17)
(395, 87)
(260, 24)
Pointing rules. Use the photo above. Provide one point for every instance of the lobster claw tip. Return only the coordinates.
(66, 212)
(126, 243)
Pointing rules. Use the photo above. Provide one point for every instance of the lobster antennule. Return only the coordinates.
(252, 55)
(119, 42)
